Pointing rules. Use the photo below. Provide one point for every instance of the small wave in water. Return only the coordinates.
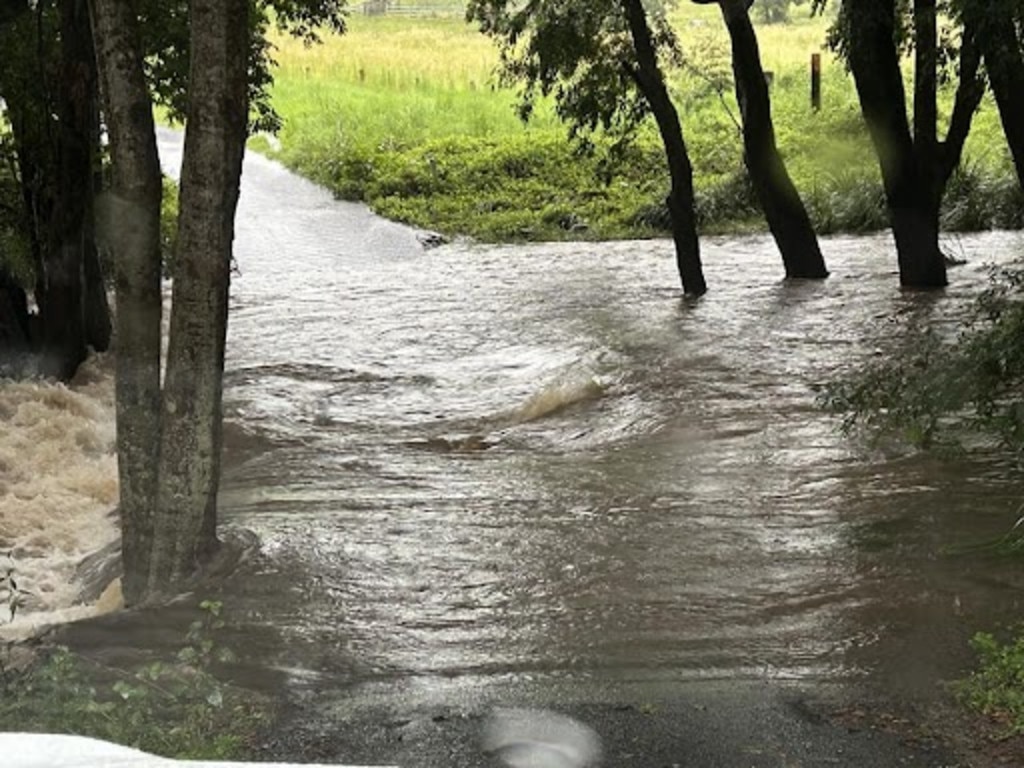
(577, 384)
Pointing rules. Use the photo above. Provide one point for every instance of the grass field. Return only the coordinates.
(405, 113)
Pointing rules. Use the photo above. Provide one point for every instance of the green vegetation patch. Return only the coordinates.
(432, 140)
(533, 186)
(175, 708)
(996, 687)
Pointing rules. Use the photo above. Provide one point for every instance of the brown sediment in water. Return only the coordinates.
(58, 483)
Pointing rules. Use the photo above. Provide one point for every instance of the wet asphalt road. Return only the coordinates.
(720, 724)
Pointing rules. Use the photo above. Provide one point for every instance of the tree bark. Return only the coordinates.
(911, 189)
(62, 304)
(98, 322)
(216, 128)
(969, 92)
(14, 327)
(1001, 48)
(925, 78)
(784, 210)
(132, 232)
(680, 201)
(98, 325)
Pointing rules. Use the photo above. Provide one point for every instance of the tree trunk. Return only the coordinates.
(925, 78)
(216, 128)
(98, 327)
(62, 304)
(784, 210)
(14, 327)
(132, 231)
(651, 83)
(98, 323)
(969, 92)
(1001, 48)
(911, 191)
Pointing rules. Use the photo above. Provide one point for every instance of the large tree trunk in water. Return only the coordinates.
(1005, 64)
(132, 230)
(215, 133)
(784, 210)
(911, 189)
(649, 79)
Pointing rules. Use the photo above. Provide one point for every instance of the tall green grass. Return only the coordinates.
(406, 114)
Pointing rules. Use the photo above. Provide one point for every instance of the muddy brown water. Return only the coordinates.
(473, 466)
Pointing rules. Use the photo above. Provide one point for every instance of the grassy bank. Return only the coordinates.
(404, 114)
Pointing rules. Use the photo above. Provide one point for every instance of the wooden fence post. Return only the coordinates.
(815, 81)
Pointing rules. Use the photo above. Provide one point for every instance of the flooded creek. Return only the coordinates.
(482, 466)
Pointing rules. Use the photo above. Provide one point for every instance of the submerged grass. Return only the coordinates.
(405, 114)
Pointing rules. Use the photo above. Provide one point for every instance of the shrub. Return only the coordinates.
(938, 391)
(996, 687)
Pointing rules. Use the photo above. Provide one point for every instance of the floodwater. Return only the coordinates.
(537, 462)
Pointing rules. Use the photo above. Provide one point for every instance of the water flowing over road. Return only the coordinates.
(474, 468)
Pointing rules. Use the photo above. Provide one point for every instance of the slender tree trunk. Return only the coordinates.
(910, 185)
(98, 323)
(132, 231)
(680, 201)
(1001, 48)
(216, 128)
(784, 210)
(970, 90)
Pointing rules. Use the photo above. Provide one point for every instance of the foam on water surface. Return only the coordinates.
(58, 487)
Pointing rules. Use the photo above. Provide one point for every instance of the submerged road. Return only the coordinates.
(715, 724)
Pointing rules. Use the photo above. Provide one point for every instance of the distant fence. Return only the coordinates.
(399, 8)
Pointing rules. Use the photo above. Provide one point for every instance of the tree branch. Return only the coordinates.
(969, 93)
